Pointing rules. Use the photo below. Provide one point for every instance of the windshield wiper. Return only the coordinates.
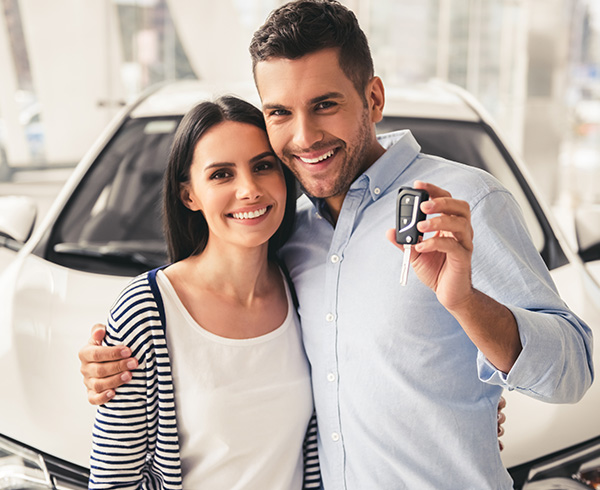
(112, 253)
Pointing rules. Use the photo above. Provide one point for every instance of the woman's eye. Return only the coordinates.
(220, 174)
(263, 166)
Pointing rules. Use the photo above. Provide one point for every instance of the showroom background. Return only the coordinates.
(68, 66)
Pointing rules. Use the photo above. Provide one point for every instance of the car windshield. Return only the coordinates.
(112, 223)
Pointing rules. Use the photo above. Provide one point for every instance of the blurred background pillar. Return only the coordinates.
(74, 58)
(546, 124)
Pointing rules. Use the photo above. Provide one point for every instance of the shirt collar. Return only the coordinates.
(401, 149)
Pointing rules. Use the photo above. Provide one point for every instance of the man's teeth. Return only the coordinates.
(318, 159)
(250, 215)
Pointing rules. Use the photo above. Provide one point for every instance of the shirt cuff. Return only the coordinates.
(533, 371)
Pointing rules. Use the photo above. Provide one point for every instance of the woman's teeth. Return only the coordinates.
(318, 159)
(250, 215)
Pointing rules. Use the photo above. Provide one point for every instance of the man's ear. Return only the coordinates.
(187, 198)
(375, 94)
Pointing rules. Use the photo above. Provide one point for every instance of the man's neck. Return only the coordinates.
(335, 203)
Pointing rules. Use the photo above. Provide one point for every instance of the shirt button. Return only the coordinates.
(335, 437)
(329, 317)
(318, 216)
(377, 191)
(335, 259)
(331, 377)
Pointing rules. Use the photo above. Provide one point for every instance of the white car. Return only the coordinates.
(105, 227)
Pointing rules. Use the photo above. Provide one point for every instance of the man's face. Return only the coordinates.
(318, 123)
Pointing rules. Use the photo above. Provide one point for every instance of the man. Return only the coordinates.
(406, 380)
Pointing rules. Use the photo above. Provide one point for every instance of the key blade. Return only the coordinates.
(405, 265)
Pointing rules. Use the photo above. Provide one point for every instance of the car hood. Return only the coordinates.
(46, 314)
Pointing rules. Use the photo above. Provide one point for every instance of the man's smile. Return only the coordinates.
(318, 158)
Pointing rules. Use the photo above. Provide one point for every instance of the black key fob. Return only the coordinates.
(408, 214)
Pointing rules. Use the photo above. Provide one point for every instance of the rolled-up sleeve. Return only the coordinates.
(555, 364)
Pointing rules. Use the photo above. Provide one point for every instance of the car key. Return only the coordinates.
(408, 214)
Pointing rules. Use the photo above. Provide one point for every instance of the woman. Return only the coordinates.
(221, 398)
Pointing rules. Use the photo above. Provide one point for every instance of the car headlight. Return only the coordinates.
(24, 469)
(578, 469)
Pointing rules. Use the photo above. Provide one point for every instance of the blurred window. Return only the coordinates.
(151, 49)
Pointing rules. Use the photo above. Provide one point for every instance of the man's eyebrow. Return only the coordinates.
(327, 96)
(315, 100)
(272, 107)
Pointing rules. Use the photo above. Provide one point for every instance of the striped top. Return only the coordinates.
(135, 441)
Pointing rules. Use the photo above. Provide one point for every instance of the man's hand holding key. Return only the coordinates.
(443, 261)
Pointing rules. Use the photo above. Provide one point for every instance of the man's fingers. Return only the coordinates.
(104, 369)
(447, 205)
(501, 417)
(98, 353)
(391, 236)
(433, 190)
(446, 245)
(100, 398)
(458, 226)
(501, 403)
(98, 333)
(101, 385)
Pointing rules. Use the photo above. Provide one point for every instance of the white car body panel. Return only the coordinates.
(52, 310)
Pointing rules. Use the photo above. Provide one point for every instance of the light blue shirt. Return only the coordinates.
(403, 397)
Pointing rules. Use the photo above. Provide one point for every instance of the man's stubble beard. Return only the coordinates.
(353, 165)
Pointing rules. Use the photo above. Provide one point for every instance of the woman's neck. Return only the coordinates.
(238, 273)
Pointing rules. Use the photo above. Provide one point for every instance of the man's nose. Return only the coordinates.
(306, 132)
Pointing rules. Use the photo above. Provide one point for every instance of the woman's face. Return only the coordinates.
(237, 183)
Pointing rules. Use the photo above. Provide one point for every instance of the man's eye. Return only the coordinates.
(279, 112)
(326, 105)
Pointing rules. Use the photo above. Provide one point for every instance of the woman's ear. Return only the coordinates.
(375, 94)
(187, 197)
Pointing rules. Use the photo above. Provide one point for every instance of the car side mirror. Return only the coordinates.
(587, 231)
(17, 219)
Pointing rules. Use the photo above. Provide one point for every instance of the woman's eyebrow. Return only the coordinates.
(213, 165)
(254, 159)
(262, 155)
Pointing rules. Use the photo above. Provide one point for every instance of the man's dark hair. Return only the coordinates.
(306, 26)
(186, 231)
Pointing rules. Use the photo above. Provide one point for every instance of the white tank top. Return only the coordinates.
(242, 405)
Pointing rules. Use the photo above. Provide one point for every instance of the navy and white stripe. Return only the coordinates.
(135, 442)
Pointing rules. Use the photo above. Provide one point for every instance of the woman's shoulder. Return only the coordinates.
(138, 303)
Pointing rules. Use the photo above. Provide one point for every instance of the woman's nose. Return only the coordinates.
(248, 188)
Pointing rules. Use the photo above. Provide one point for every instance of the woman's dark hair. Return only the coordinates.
(306, 26)
(186, 231)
